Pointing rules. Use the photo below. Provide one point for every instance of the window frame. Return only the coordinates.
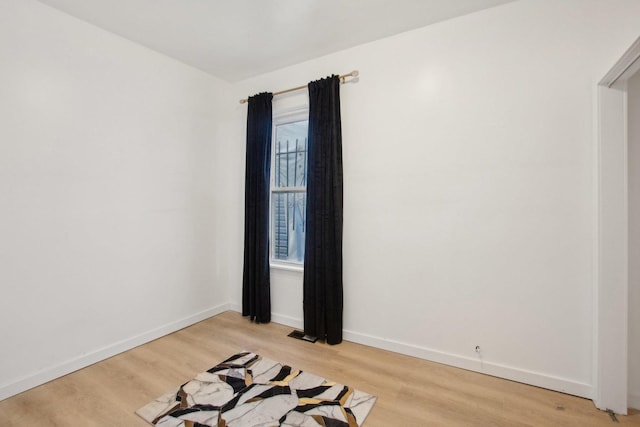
(297, 114)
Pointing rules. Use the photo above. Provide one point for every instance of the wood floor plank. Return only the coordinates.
(411, 392)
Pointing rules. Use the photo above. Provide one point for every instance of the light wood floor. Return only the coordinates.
(411, 392)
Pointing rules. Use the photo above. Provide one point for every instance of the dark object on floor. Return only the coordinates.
(612, 415)
(299, 335)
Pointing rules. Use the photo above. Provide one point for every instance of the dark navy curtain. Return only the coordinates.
(256, 293)
(323, 242)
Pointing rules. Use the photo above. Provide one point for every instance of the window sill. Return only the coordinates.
(286, 266)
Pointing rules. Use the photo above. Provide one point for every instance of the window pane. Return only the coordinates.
(289, 211)
(291, 154)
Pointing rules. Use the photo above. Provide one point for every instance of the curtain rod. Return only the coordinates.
(354, 73)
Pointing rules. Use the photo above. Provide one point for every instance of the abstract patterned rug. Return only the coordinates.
(247, 390)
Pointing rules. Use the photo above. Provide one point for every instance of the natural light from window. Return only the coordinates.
(289, 191)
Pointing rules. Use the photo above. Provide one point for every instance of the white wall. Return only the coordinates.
(108, 210)
(469, 190)
(634, 240)
(469, 187)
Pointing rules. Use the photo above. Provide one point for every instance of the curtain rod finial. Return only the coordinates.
(355, 73)
(243, 101)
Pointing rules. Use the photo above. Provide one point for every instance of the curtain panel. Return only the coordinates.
(323, 299)
(256, 293)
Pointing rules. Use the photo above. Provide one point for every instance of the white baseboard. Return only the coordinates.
(634, 400)
(275, 317)
(66, 367)
(494, 369)
(287, 321)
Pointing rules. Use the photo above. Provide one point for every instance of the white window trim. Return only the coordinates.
(291, 115)
(286, 266)
(289, 190)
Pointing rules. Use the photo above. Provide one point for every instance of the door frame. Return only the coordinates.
(610, 364)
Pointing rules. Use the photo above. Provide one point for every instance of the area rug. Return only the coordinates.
(248, 390)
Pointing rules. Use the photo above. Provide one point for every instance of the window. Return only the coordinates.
(289, 188)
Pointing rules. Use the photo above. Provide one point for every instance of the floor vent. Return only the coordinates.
(299, 335)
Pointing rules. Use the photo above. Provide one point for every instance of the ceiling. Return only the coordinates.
(237, 39)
